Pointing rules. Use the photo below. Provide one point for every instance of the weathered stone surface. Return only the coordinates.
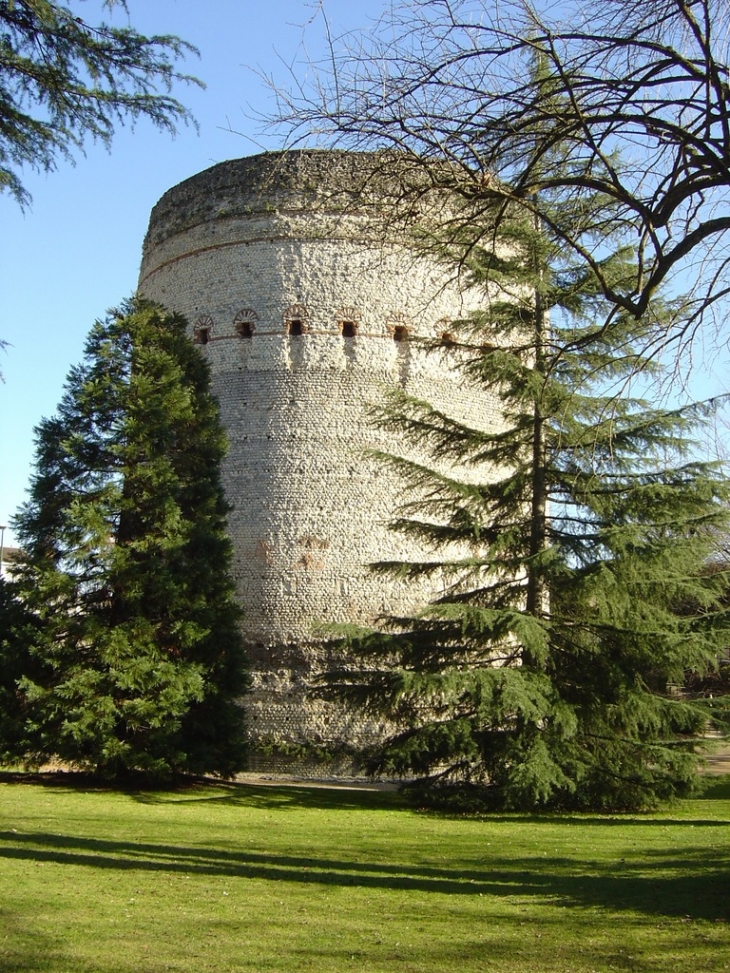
(247, 250)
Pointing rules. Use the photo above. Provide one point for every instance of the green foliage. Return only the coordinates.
(18, 630)
(62, 79)
(125, 563)
(551, 670)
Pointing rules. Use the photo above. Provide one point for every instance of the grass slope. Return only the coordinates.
(246, 878)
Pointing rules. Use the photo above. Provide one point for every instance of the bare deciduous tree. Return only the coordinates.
(639, 108)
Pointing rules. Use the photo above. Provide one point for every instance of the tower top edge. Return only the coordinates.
(257, 184)
(276, 166)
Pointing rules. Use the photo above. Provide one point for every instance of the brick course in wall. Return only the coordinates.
(307, 310)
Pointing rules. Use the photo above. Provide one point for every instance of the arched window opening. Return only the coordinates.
(296, 320)
(203, 330)
(245, 323)
(348, 321)
(398, 326)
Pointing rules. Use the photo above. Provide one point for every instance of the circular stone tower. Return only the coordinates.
(306, 300)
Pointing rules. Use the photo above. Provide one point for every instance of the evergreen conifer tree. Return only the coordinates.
(138, 660)
(63, 79)
(550, 672)
(18, 630)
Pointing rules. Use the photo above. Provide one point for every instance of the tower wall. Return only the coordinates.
(248, 251)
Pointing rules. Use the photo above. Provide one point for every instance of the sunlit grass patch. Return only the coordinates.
(239, 877)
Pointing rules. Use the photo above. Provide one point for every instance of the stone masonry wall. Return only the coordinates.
(250, 251)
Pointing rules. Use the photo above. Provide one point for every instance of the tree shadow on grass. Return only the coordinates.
(334, 797)
(28, 948)
(232, 793)
(343, 797)
(663, 882)
(340, 796)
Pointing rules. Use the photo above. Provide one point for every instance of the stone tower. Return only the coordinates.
(307, 303)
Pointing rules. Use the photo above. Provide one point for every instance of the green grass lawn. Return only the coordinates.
(241, 877)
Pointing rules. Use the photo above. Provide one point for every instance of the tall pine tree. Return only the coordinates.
(18, 631)
(138, 663)
(550, 672)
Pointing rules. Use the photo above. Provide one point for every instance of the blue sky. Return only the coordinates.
(76, 251)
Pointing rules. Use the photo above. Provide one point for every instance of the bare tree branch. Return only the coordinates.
(640, 113)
